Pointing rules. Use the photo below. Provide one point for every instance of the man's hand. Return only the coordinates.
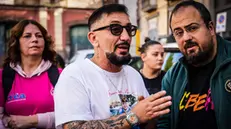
(152, 107)
(20, 122)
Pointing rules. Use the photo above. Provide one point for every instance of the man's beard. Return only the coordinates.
(119, 60)
(200, 57)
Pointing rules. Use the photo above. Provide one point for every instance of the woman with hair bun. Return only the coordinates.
(152, 55)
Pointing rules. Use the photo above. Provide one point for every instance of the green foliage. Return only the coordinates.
(169, 62)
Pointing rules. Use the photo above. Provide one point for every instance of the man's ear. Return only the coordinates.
(211, 28)
(93, 39)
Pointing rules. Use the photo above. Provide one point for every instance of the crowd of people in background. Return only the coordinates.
(37, 91)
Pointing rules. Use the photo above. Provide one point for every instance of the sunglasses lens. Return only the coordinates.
(116, 29)
(131, 30)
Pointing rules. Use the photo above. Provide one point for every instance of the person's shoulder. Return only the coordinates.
(223, 44)
(228, 45)
(224, 47)
(176, 70)
(72, 68)
(76, 67)
(130, 69)
(226, 42)
(176, 67)
(78, 64)
(133, 73)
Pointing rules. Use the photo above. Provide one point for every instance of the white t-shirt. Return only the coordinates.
(84, 91)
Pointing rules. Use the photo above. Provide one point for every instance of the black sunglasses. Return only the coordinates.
(117, 29)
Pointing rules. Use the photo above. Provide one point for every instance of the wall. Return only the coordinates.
(17, 13)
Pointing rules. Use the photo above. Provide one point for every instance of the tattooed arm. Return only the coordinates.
(115, 122)
(147, 109)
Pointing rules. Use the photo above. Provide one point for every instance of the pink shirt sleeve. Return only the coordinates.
(46, 120)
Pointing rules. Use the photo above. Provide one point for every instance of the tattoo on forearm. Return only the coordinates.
(116, 122)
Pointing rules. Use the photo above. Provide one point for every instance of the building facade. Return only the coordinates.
(65, 20)
(154, 18)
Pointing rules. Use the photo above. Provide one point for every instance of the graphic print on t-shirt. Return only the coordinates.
(196, 109)
(121, 103)
(196, 102)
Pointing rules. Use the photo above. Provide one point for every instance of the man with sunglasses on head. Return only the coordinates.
(200, 83)
(103, 92)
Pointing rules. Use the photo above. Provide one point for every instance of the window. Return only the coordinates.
(78, 38)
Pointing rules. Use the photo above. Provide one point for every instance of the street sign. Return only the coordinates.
(221, 22)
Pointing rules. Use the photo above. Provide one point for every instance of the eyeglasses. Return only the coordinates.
(117, 29)
(178, 33)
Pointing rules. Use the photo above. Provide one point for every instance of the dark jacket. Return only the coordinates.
(175, 81)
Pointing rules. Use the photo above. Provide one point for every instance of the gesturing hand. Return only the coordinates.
(152, 107)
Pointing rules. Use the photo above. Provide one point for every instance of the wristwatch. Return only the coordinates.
(132, 119)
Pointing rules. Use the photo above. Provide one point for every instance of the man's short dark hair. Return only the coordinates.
(106, 9)
(204, 12)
